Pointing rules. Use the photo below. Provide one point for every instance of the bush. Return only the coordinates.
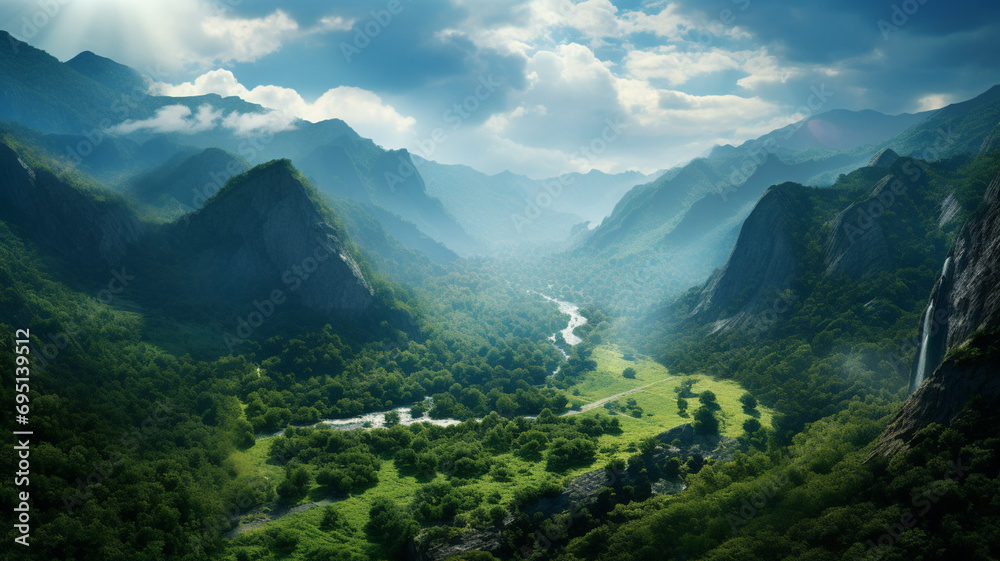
(705, 422)
(390, 526)
(629, 373)
(565, 453)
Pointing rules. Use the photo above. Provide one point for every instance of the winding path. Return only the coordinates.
(604, 400)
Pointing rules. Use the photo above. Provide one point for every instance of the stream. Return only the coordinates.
(377, 419)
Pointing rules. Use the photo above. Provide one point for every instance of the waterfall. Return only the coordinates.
(920, 372)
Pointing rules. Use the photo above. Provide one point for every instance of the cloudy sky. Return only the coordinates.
(541, 87)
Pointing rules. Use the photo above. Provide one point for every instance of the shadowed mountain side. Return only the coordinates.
(762, 264)
(93, 233)
(263, 232)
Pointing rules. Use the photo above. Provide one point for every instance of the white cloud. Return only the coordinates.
(173, 118)
(934, 101)
(363, 110)
(246, 40)
(181, 119)
(179, 35)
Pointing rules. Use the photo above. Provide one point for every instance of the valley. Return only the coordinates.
(250, 324)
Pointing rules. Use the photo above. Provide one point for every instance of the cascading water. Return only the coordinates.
(921, 371)
(929, 328)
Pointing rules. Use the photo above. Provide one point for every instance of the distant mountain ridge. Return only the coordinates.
(74, 104)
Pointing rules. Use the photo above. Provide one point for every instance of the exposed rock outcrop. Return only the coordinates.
(991, 140)
(263, 232)
(856, 244)
(950, 208)
(965, 300)
(884, 158)
(93, 233)
(761, 267)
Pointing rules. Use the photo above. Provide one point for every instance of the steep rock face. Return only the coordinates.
(966, 299)
(263, 232)
(856, 244)
(884, 158)
(92, 233)
(990, 141)
(761, 267)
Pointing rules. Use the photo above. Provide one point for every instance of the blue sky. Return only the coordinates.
(532, 85)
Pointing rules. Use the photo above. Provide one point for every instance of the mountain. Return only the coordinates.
(593, 195)
(264, 232)
(185, 182)
(648, 212)
(74, 104)
(507, 210)
(958, 358)
(92, 231)
(45, 94)
(873, 224)
(117, 77)
(485, 205)
(762, 265)
(835, 130)
(968, 127)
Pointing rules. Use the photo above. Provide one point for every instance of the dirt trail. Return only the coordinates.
(602, 401)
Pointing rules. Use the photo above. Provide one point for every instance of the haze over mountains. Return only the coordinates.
(823, 297)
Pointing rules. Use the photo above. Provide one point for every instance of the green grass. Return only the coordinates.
(658, 401)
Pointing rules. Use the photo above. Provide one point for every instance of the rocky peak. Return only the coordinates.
(856, 243)
(761, 267)
(265, 231)
(884, 158)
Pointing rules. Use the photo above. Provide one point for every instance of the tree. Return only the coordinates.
(629, 373)
(390, 526)
(707, 398)
(749, 402)
(391, 419)
(296, 482)
(331, 518)
(705, 421)
(682, 406)
(418, 410)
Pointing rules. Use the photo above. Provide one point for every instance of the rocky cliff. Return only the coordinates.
(92, 232)
(762, 265)
(265, 231)
(965, 302)
(856, 244)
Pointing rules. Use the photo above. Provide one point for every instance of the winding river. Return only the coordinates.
(575, 320)
(377, 419)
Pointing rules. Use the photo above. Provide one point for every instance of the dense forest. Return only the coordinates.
(246, 339)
